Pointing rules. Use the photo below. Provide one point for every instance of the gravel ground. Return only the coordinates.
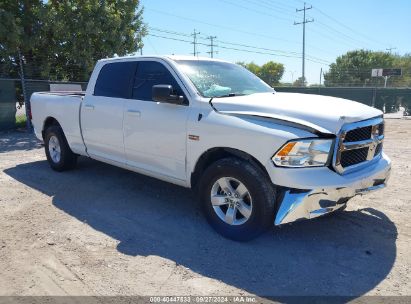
(101, 230)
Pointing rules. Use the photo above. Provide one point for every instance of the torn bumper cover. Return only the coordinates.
(297, 204)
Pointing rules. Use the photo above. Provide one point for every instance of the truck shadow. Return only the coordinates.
(347, 254)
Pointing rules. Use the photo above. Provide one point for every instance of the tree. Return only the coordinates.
(252, 67)
(300, 82)
(21, 32)
(271, 72)
(403, 62)
(64, 39)
(354, 68)
(93, 30)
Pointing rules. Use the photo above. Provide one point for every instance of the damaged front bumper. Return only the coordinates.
(297, 204)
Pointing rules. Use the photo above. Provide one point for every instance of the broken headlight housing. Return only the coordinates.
(304, 153)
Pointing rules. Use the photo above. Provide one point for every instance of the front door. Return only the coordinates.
(155, 133)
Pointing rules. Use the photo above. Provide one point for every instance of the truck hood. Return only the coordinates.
(324, 114)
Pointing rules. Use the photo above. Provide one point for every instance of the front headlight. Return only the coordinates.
(304, 153)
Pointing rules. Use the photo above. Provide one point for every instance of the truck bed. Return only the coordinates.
(65, 108)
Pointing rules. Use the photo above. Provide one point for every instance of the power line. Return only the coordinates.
(169, 32)
(341, 35)
(220, 26)
(285, 11)
(315, 59)
(347, 27)
(281, 5)
(303, 23)
(390, 49)
(234, 49)
(274, 50)
(256, 11)
(333, 37)
(270, 6)
(171, 38)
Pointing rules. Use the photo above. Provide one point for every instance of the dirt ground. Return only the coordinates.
(101, 230)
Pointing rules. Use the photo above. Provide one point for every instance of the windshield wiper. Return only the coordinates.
(230, 95)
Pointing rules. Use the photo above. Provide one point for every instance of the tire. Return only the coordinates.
(58, 152)
(245, 216)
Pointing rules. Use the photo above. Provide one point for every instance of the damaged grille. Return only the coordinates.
(353, 157)
(358, 143)
(358, 134)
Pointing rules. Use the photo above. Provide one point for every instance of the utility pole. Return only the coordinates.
(390, 49)
(211, 45)
(321, 75)
(319, 87)
(303, 23)
(292, 76)
(194, 34)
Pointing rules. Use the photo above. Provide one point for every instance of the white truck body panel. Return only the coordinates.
(102, 117)
(324, 113)
(65, 108)
(148, 142)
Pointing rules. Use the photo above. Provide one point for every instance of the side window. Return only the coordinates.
(114, 79)
(150, 73)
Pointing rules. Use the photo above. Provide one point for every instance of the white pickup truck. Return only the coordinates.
(256, 157)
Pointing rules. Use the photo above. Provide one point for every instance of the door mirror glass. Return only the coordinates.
(165, 93)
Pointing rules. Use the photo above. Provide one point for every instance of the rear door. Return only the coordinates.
(102, 111)
(155, 133)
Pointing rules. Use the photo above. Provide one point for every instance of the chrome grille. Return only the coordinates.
(357, 144)
(353, 157)
(358, 134)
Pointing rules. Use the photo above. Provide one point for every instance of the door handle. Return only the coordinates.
(89, 107)
(134, 113)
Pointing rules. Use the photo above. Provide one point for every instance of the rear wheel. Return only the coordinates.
(237, 199)
(58, 152)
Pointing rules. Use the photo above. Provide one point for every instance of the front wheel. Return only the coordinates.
(237, 199)
(58, 152)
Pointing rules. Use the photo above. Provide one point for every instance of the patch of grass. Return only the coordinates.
(21, 121)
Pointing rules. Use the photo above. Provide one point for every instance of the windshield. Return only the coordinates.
(222, 79)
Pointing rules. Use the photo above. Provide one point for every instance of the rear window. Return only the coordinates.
(114, 80)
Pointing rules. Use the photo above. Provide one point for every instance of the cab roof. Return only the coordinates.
(169, 57)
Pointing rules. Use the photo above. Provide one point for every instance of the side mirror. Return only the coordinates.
(164, 93)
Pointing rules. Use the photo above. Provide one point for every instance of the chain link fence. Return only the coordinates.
(388, 100)
(17, 86)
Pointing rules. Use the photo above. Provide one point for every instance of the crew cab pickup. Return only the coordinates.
(255, 157)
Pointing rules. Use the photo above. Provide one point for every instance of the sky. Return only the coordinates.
(264, 30)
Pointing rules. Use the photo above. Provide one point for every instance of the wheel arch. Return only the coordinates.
(212, 155)
(49, 121)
